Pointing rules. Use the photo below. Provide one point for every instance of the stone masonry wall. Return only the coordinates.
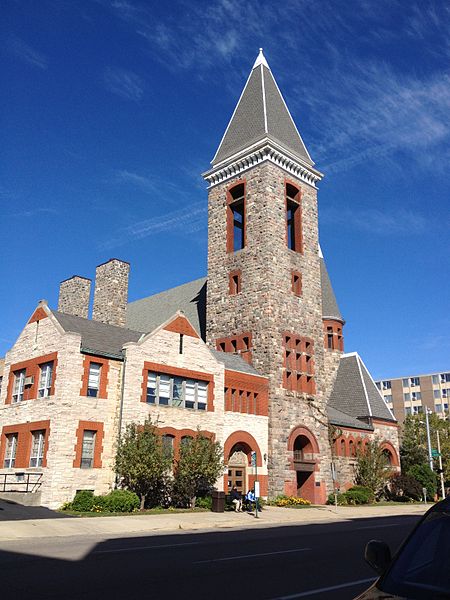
(111, 292)
(64, 410)
(74, 295)
(267, 307)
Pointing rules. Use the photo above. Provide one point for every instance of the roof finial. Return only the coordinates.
(260, 60)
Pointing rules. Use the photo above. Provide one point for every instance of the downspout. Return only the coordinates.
(122, 393)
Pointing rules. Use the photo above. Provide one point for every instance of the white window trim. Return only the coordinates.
(45, 380)
(19, 386)
(92, 384)
(11, 450)
(88, 457)
(38, 455)
(178, 403)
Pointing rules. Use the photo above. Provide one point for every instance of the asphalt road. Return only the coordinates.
(317, 561)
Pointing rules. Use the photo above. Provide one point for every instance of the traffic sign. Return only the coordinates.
(253, 459)
(435, 453)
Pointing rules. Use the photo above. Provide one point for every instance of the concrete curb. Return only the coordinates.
(136, 525)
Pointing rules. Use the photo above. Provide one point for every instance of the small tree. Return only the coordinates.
(426, 477)
(143, 463)
(372, 467)
(197, 469)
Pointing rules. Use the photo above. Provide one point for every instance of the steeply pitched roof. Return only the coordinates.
(330, 307)
(354, 392)
(96, 337)
(260, 113)
(148, 313)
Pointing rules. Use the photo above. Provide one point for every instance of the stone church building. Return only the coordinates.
(252, 355)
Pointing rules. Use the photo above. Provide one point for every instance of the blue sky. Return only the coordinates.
(113, 108)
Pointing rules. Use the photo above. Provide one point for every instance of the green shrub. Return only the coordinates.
(426, 478)
(83, 501)
(120, 501)
(359, 495)
(403, 488)
(204, 502)
(341, 499)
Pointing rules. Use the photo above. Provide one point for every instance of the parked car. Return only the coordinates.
(421, 568)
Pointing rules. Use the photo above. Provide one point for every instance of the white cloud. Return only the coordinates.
(375, 221)
(124, 83)
(26, 53)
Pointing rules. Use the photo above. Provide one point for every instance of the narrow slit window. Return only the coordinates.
(19, 385)
(11, 449)
(293, 218)
(37, 449)
(94, 379)
(236, 218)
(45, 380)
(87, 449)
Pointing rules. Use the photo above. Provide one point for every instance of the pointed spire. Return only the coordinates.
(261, 113)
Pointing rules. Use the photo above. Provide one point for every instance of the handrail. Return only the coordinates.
(31, 481)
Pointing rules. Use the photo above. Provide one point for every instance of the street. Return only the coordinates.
(301, 561)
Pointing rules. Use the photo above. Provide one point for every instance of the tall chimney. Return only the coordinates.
(111, 292)
(74, 296)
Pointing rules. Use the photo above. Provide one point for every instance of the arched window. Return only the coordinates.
(351, 448)
(342, 449)
(168, 441)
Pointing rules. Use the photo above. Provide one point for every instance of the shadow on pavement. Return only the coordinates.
(12, 511)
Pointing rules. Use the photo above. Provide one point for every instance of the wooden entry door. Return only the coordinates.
(236, 476)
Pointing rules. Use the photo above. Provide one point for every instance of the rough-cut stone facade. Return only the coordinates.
(74, 296)
(111, 292)
(267, 308)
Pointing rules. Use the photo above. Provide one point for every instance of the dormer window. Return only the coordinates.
(236, 218)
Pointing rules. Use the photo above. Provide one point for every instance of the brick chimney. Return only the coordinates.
(74, 296)
(111, 292)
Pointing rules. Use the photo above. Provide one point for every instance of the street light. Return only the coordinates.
(430, 455)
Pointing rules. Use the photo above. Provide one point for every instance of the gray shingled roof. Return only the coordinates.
(330, 307)
(148, 313)
(96, 337)
(260, 113)
(235, 362)
(337, 417)
(355, 394)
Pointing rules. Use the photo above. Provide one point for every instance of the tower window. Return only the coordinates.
(237, 344)
(236, 218)
(297, 283)
(235, 283)
(293, 218)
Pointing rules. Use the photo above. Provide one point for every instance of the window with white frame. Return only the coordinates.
(405, 382)
(94, 379)
(37, 448)
(415, 381)
(10, 452)
(45, 380)
(19, 385)
(87, 449)
(435, 379)
(378, 384)
(438, 407)
(437, 393)
(445, 377)
(386, 385)
(416, 396)
(445, 393)
(388, 398)
(171, 390)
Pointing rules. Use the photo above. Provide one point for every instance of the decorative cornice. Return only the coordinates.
(267, 151)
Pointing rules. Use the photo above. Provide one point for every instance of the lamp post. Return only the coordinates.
(441, 471)
(430, 456)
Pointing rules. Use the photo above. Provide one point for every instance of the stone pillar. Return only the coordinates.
(111, 292)
(74, 294)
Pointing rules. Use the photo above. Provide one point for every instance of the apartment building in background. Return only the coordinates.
(410, 395)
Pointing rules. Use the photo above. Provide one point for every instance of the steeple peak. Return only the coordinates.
(261, 115)
(260, 60)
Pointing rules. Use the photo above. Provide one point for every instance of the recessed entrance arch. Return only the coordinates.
(305, 450)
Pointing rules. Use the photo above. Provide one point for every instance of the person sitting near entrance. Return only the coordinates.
(236, 498)
(251, 499)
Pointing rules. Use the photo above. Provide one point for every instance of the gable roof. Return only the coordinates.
(190, 298)
(261, 113)
(235, 362)
(355, 393)
(98, 338)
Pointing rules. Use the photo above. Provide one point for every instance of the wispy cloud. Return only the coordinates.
(144, 183)
(124, 83)
(375, 221)
(26, 53)
(32, 212)
(187, 220)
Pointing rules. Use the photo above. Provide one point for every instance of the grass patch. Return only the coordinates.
(149, 511)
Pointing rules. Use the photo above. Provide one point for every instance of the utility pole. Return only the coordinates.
(441, 473)
(430, 456)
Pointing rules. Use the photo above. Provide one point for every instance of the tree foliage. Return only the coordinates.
(372, 467)
(143, 464)
(426, 477)
(414, 447)
(198, 467)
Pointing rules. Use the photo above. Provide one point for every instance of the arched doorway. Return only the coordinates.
(304, 449)
(237, 467)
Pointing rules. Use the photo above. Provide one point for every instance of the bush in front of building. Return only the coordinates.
(402, 488)
(204, 502)
(426, 478)
(359, 494)
(83, 501)
(121, 501)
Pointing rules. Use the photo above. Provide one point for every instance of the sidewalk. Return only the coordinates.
(149, 524)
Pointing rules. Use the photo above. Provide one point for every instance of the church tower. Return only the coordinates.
(265, 280)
